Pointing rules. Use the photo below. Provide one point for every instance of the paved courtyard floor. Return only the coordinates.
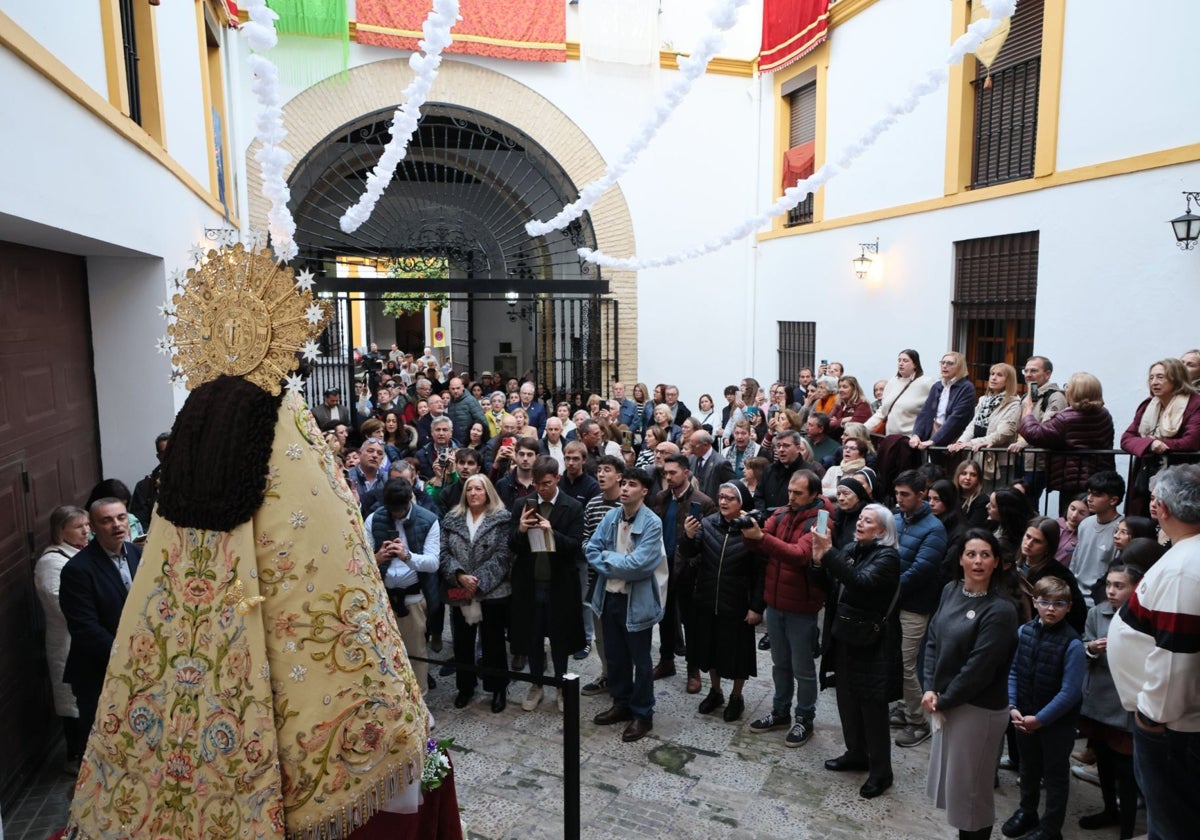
(693, 776)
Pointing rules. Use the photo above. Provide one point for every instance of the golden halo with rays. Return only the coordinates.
(241, 314)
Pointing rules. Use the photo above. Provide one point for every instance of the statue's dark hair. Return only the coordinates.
(214, 472)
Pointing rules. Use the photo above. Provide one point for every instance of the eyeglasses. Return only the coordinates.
(946, 362)
(1057, 605)
(724, 498)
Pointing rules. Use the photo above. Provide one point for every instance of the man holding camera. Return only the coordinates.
(793, 602)
(436, 458)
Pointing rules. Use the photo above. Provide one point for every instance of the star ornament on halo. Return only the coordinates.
(294, 383)
(314, 314)
(166, 309)
(310, 351)
(304, 281)
(196, 252)
(164, 346)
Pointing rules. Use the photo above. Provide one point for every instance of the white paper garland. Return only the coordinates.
(794, 195)
(436, 28)
(723, 16)
(269, 131)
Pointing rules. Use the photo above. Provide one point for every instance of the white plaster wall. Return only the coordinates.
(72, 34)
(183, 88)
(872, 66)
(133, 399)
(83, 189)
(1111, 286)
(1128, 84)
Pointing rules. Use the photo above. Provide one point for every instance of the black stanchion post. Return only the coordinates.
(570, 695)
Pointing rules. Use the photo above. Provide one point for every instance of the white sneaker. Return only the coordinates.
(532, 698)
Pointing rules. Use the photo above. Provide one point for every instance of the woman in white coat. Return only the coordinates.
(69, 532)
(903, 397)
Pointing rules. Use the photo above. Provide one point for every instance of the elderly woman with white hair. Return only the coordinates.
(860, 642)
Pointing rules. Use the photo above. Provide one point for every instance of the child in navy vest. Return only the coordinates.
(1045, 688)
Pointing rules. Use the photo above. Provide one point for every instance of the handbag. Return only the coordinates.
(458, 596)
(881, 427)
(857, 627)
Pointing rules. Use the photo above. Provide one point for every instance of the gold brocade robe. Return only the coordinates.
(258, 686)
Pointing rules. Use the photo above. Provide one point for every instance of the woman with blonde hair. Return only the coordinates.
(851, 406)
(1167, 421)
(475, 564)
(949, 406)
(996, 416)
(69, 532)
(1084, 424)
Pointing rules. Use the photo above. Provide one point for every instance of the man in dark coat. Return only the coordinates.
(673, 506)
(92, 594)
(545, 584)
(709, 466)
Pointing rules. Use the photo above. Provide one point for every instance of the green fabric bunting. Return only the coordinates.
(303, 61)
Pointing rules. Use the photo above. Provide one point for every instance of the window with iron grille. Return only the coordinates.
(797, 348)
(1006, 102)
(129, 52)
(995, 292)
(801, 96)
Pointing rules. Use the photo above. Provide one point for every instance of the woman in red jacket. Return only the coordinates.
(1166, 423)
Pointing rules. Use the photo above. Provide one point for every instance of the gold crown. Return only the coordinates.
(242, 314)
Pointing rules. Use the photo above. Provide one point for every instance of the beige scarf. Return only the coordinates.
(1158, 422)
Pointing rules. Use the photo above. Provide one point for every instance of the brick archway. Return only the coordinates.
(315, 112)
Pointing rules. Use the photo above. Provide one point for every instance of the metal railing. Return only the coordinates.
(568, 686)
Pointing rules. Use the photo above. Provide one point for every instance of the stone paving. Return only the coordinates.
(694, 776)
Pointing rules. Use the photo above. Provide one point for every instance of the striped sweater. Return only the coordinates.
(1154, 641)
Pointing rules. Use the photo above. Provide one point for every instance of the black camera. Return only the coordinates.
(741, 523)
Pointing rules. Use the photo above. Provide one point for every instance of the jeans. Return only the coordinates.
(589, 627)
(793, 636)
(912, 633)
(1167, 765)
(542, 629)
(630, 669)
(1046, 757)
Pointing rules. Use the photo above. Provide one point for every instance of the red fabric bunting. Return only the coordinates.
(520, 30)
(798, 163)
(791, 29)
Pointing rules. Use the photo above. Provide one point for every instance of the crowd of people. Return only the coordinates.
(889, 545)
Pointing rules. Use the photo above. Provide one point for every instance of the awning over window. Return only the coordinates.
(798, 163)
(521, 30)
(791, 29)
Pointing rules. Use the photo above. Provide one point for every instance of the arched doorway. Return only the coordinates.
(449, 230)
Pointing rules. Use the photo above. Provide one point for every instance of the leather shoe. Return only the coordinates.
(711, 702)
(873, 787)
(665, 668)
(693, 683)
(499, 701)
(1007, 763)
(846, 762)
(734, 710)
(636, 730)
(1019, 823)
(614, 714)
(462, 699)
(765, 642)
(1104, 819)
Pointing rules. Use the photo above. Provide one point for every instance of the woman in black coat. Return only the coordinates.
(727, 598)
(863, 579)
(852, 497)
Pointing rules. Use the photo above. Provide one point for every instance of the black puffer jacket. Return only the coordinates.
(728, 575)
(866, 576)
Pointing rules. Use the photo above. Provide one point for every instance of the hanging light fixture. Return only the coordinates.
(1187, 226)
(862, 263)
